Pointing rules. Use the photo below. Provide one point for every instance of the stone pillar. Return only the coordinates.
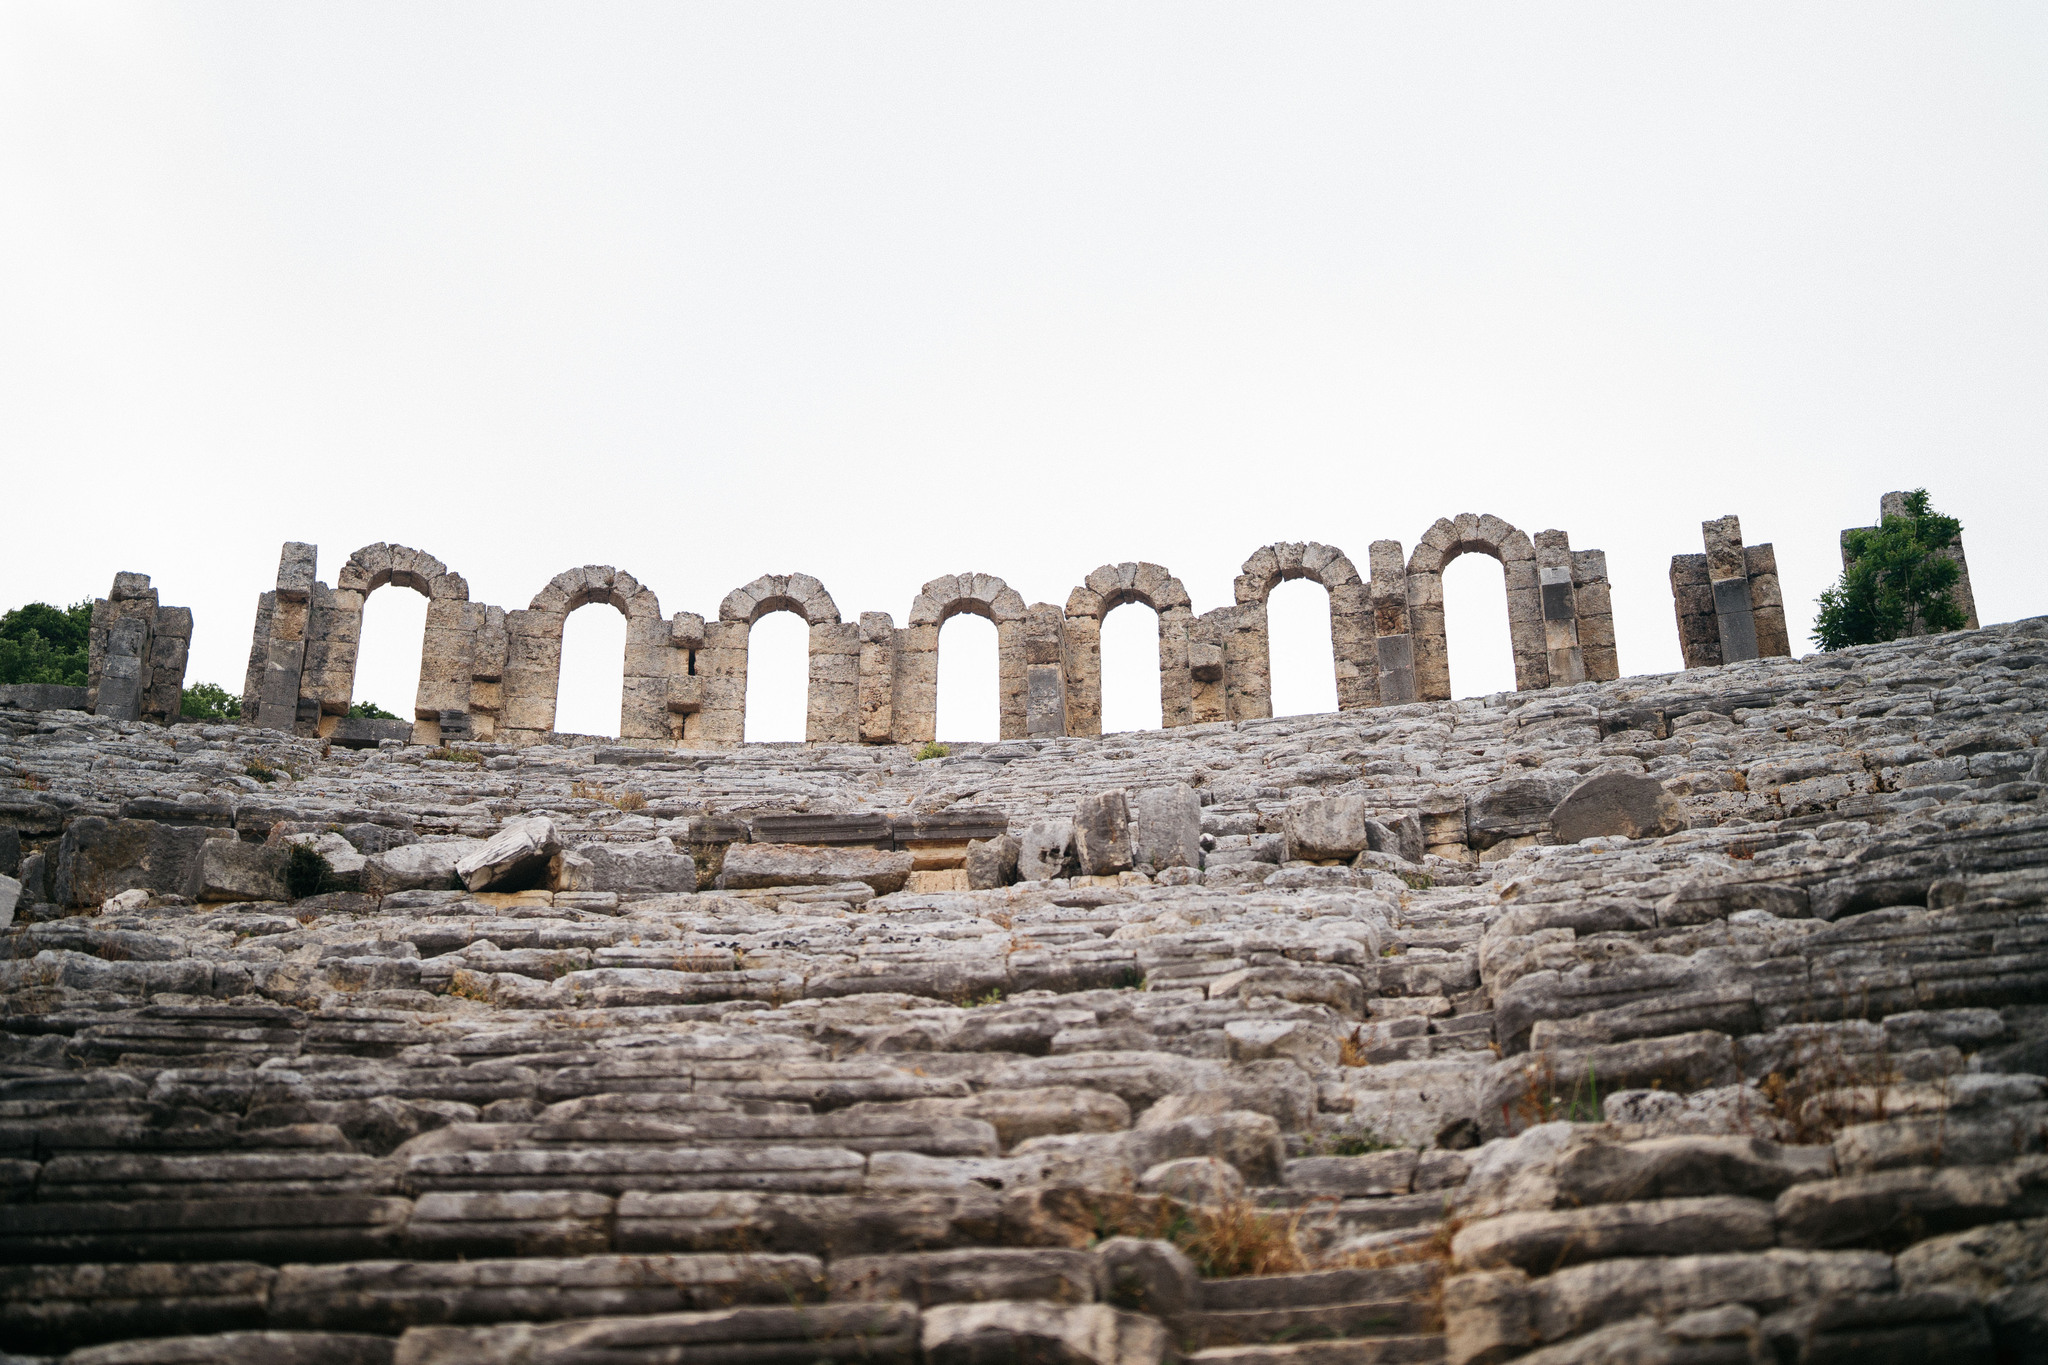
(1728, 574)
(832, 714)
(1430, 647)
(119, 696)
(1561, 655)
(1176, 686)
(1767, 603)
(285, 659)
(1208, 683)
(877, 688)
(643, 699)
(1393, 646)
(723, 664)
(1692, 598)
(487, 669)
(916, 699)
(259, 653)
(1727, 600)
(1012, 677)
(1248, 662)
(685, 683)
(1595, 610)
(1527, 631)
(170, 650)
(533, 671)
(1353, 641)
(1045, 653)
(1082, 645)
(130, 599)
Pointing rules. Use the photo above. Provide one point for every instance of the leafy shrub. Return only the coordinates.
(40, 643)
(1897, 579)
(934, 749)
(209, 701)
(448, 755)
(369, 710)
(307, 872)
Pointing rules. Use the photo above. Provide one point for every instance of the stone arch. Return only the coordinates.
(830, 712)
(447, 654)
(533, 668)
(1466, 534)
(1101, 592)
(1247, 647)
(917, 667)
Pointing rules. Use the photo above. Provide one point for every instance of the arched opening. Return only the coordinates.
(593, 681)
(778, 678)
(1482, 654)
(969, 706)
(394, 635)
(1302, 653)
(1130, 669)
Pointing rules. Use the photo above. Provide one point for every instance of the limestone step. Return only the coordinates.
(1306, 1322)
(1415, 1349)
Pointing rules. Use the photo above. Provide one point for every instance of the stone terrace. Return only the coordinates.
(1335, 1053)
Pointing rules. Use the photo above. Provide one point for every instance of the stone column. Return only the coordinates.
(533, 671)
(169, 651)
(1527, 631)
(685, 683)
(120, 691)
(1767, 603)
(1430, 647)
(1247, 662)
(1393, 646)
(259, 652)
(1176, 687)
(1012, 678)
(1728, 574)
(1692, 599)
(832, 713)
(1353, 641)
(723, 664)
(1045, 652)
(487, 669)
(877, 688)
(285, 660)
(1596, 615)
(916, 700)
(1208, 685)
(1082, 647)
(1561, 655)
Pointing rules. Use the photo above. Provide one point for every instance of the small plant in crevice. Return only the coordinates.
(307, 872)
(1546, 1099)
(263, 770)
(933, 749)
(448, 755)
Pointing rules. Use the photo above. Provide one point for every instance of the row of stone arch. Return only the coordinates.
(486, 672)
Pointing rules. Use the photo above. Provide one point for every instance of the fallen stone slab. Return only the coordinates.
(813, 1334)
(1088, 1334)
(1542, 1242)
(514, 858)
(1891, 1208)
(243, 1348)
(390, 1296)
(1625, 805)
(764, 865)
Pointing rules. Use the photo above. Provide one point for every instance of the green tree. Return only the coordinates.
(209, 701)
(369, 710)
(40, 643)
(1897, 580)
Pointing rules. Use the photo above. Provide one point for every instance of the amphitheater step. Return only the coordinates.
(1419, 1349)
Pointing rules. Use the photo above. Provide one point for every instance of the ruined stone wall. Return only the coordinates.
(492, 674)
(1730, 609)
(136, 652)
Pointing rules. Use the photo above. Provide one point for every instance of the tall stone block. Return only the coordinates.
(170, 650)
(916, 701)
(259, 654)
(121, 682)
(1561, 655)
(1208, 677)
(877, 688)
(723, 664)
(1045, 656)
(1595, 610)
(832, 715)
(1727, 601)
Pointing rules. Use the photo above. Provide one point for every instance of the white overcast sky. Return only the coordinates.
(880, 292)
